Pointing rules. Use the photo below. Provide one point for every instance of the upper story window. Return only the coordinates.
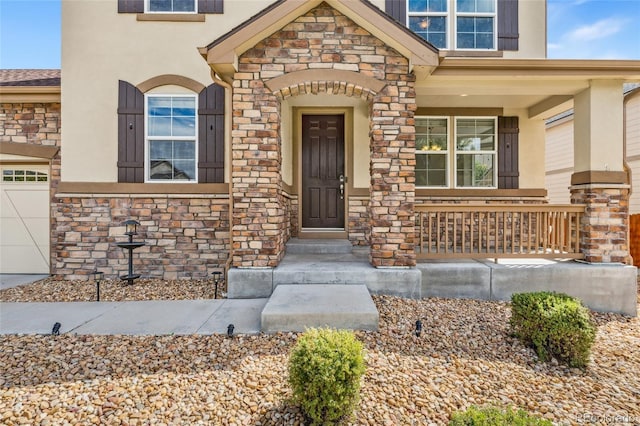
(171, 153)
(171, 6)
(465, 24)
(473, 142)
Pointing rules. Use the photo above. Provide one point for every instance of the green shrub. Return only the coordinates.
(325, 370)
(491, 416)
(554, 324)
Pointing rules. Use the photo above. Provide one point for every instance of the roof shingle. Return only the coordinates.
(30, 77)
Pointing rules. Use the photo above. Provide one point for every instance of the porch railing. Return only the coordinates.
(498, 231)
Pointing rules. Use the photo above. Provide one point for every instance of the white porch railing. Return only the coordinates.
(498, 231)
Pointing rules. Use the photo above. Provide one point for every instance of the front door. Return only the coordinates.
(323, 171)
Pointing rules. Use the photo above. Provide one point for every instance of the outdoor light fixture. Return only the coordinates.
(230, 328)
(56, 329)
(216, 280)
(97, 277)
(418, 328)
(131, 227)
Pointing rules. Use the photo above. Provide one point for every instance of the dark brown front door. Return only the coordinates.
(322, 170)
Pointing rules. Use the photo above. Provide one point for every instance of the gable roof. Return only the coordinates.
(222, 54)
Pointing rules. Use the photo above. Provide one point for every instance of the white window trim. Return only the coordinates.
(494, 152)
(147, 9)
(148, 138)
(451, 36)
(447, 153)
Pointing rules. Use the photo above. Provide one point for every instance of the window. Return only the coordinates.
(171, 138)
(171, 6)
(475, 152)
(22, 175)
(473, 22)
(474, 145)
(428, 19)
(432, 154)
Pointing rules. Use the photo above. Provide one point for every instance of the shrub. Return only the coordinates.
(491, 416)
(554, 324)
(325, 370)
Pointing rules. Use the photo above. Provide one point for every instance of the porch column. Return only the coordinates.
(392, 132)
(258, 217)
(600, 180)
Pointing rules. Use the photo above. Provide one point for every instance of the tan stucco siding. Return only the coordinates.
(101, 47)
(532, 25)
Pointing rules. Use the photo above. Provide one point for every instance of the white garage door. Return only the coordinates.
(24, 220)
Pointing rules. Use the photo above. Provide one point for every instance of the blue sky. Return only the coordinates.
(577, 29)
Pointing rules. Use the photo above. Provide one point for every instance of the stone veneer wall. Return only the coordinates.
(323, 39)
(185, 237)
(359, 221)
(35, 124)
(605, 224)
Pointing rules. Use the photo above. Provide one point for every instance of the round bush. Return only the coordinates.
(554, 324)
(325, 370)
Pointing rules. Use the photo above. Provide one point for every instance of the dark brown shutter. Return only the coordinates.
(211, 135)
(210, 6)
(508, 25)
(397, 9)
(130, 133)
(508, 174)
(130, 6)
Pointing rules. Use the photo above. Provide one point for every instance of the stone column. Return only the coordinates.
(259, 219)
(600, 181)
(392, 215)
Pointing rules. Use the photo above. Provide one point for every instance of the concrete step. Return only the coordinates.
(297, 307)
(318, 246)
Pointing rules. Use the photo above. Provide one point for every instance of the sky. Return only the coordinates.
(577, 29)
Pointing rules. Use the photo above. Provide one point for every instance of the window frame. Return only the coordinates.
(148, 138)
(447, 153)
(493, 152)
(147, 9)
(427, 14)
(452, 151)
(493, 15)
(451, 22)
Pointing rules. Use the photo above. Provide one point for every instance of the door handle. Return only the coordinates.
(343, 179)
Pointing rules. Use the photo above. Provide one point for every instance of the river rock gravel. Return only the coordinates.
(464, 355)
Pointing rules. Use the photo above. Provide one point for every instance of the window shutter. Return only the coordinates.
(397, 9)
(130, 6)
(211, 135)
(508, 25)
(210, 6)
(508, 174)
(130, 133)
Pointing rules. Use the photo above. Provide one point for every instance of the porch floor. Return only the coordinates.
(602, 287)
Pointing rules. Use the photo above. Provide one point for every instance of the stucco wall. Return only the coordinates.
(100, 47)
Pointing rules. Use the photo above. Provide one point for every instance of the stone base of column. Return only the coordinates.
(604, 228)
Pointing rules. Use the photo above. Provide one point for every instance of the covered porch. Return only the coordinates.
(344, 76)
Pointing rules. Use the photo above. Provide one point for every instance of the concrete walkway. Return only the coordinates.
(204, 316)
(14, 280)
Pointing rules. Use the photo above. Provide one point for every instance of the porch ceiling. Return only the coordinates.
(543, 86)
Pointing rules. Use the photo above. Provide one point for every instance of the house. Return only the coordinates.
(30, 166)
(413, 128)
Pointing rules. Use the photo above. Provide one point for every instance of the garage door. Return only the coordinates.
(24, 220)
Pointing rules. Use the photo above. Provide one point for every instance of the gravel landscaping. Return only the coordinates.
(464, 356)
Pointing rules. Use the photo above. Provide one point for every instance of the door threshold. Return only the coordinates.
(319, 233)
